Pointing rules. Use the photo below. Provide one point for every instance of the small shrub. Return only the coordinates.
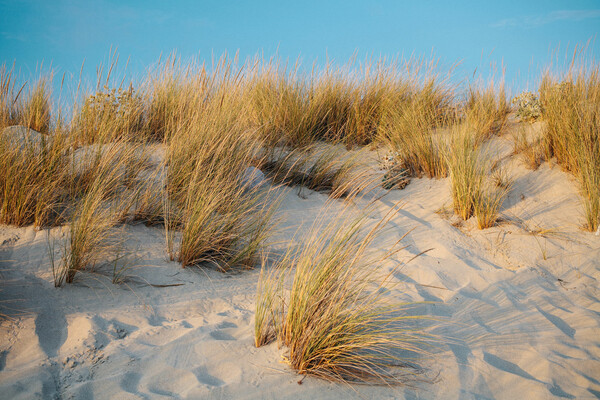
(109, 114)
(528, 106)
(396, 177)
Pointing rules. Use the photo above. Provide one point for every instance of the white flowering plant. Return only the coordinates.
(528, 106)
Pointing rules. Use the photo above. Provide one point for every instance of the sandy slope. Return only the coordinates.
(520, 313)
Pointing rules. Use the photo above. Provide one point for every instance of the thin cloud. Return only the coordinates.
(554, 16)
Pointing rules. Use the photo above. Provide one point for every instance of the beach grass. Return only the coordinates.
(334, 320)
(571, 109)
(486, 109)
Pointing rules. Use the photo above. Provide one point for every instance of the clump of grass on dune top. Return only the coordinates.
(281, 109)
(410, 122)
(168, 93)
(8, 98)
(409, 131)
(486, 109)
(335, 320)
(378, 85)
(35, 110)
(571, 108)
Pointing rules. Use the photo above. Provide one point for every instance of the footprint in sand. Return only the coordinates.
(205, 378)
(221, 335)
(130, 382)
(51, 330)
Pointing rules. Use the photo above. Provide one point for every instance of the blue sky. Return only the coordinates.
(520, 34)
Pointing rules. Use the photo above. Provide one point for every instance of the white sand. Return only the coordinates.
(521, 313)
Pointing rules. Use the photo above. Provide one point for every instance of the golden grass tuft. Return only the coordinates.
(487, 206)
(486, 109)
(33, 177)
(410, 131)
(472, 193)
(335, 320)
(571, 109)
(35, 110)
(223, 219)
(8, 98)
(467, 171)
(97, 211)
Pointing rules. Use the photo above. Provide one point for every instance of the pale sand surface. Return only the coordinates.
(521, 313)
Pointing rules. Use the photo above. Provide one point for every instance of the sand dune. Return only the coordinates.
(518, 309)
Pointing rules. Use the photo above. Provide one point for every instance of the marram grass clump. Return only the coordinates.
(472, 192)
(571, 109)
(335, 319)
